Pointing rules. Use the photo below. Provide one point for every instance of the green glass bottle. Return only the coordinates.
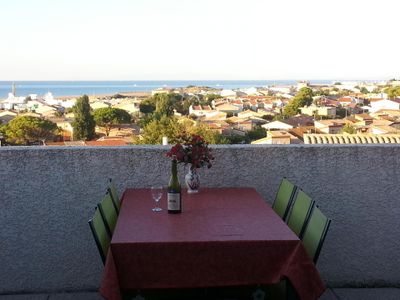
(174, 191)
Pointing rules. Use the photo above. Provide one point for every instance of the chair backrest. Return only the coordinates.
(100, 234)
(315, 233)
(300, 213)
(114, 195)
(108, 212)
(284, 198)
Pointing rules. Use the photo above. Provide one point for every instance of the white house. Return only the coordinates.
(228, 93)
(200, 110)
(251, 91)
(49, 99)
(384, 129)
(384, 104)
(46, 110)
(277, 137)
(65, 125)
(249, 113)
(281, 125)
(394, 83)
(330, 126)
(162, 90)
(229, 108)
(319, 110)
(68, 103)
(33, 105)
(215, 115)
(11, 102)
(347, 86)
(281, 89)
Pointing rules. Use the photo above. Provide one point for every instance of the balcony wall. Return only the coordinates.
(48, 194)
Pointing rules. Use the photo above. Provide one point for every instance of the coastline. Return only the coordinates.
(73, 89)
(70, 89)
(103, 95)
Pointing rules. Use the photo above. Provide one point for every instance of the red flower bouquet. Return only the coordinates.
(193, 150)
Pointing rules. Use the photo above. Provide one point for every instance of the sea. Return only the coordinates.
(92, 88)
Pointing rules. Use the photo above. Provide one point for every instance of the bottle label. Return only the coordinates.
(174, 201)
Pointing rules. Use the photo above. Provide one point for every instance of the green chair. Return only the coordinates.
(100, 234)
(300, 213)
(315, 233)
(108, 213)
(284, 198)
(114, 195)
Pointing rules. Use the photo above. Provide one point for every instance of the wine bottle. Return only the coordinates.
(174, 191)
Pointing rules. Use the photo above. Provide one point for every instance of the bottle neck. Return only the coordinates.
(174, 168)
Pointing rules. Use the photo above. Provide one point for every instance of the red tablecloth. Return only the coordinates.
(223, 237)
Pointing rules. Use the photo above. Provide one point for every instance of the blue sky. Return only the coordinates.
(178, 39)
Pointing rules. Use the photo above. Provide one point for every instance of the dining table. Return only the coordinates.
(223, 237)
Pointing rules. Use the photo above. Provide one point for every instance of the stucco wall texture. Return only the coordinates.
(48, 194)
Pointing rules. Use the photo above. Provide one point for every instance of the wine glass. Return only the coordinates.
(156, 194)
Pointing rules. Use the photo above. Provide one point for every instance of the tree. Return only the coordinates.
(305, 95)
(83, 125)
(290, 110)
(21, 130)
(210, 97)
(257, 133)
(170, 127)
(321, 92)
(156, 129)
(348, 128)
(164, 104)
(278, 117)
(341, 112)
(364, 90)
(268, 117)
(109, 117)
(147, 106)
(345, 92)
(209, 135)
(238, 139)
(302, 98)
(393, 92)
(185, 106)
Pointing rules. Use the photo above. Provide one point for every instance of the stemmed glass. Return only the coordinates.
(156, 193)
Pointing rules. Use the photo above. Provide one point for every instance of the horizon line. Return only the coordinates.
(277, 79)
